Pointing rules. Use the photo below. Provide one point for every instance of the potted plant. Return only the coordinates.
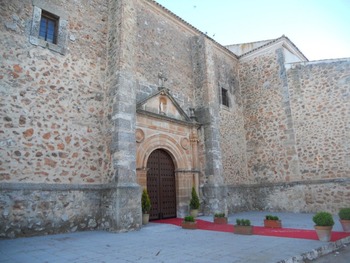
(189, 223)
(323, 225)
(271, 221)
(243, 227)
(344, 215)
(146, 206)
(220, 218)
(194, 203)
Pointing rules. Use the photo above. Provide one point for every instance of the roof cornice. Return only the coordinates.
(282, 41)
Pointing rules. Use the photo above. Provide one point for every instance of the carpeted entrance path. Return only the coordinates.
(258, 230)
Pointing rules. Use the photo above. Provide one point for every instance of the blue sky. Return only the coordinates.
(319, 28)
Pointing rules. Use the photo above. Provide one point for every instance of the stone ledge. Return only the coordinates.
(288, 184)
(167, 118)
(60, 187)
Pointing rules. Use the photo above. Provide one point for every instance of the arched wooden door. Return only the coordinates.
(161, 185)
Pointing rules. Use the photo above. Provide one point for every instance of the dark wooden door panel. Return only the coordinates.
(153, 185)
(161, 185)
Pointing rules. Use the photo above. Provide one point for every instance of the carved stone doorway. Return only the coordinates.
(161, 185)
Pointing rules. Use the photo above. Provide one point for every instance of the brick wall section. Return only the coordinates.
(53, 106)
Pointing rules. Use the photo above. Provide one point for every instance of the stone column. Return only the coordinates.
(213, 193)
(124, 199)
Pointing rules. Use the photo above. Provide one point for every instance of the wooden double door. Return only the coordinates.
(161, 185)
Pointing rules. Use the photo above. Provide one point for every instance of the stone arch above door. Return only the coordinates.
(165, 142)
(185, 177)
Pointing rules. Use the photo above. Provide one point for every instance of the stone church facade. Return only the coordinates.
(125, 95)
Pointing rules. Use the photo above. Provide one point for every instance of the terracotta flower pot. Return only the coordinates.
(324, 233)
(345, 224)
(243, 230)
(272, 223)
(189, 225)
(220, 220)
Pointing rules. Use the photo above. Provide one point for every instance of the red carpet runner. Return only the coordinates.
(258, 230)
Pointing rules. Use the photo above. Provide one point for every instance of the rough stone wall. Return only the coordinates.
(233, 146)
(320, 99)
(67, 122)
(181, 54)
(297, 124)
(232, 133)
(53, 136)
(168, 48)
(163, 50)
(52, 105)
(38, 211)
(271, 155)
(311, 196)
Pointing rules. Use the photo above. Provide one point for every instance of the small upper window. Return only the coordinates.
(48, 27)
(224, 97)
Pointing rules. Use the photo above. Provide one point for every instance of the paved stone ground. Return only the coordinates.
(165, 243)
(340, 256)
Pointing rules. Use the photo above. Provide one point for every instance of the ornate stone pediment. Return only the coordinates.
(162, 104)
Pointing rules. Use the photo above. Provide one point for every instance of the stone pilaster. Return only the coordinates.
(124, 209)
(213, 193)
(290, 141)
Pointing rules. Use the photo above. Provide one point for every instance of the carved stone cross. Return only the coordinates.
(162, 79)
